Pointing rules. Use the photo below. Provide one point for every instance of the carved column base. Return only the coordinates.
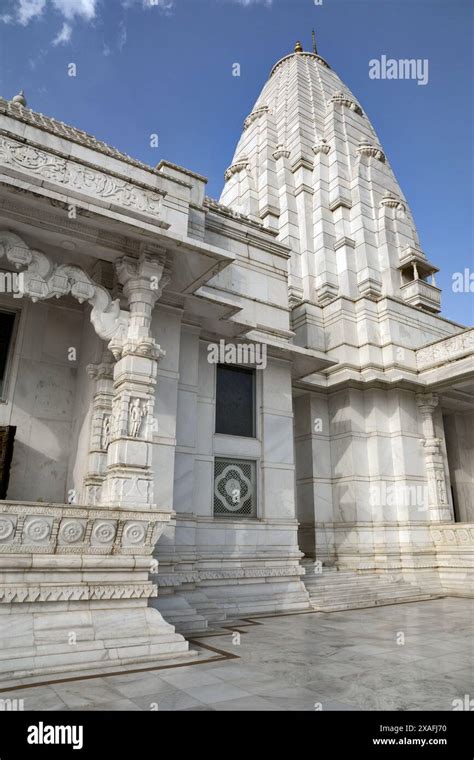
(87, 605)
(128, 488)
(129, 478)
(109, 639)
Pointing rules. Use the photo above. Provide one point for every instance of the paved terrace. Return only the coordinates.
(331, 661)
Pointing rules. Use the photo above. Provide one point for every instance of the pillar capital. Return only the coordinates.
(148, 271)
(427, 402)
(143, 278)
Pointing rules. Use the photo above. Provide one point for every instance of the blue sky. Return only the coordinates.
(165, 67)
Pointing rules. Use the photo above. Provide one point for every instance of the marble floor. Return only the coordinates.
(416, 656)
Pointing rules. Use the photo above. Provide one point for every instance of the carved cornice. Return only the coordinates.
(344, 241)
(74, 593)
(344, 100)
(391, 201)
(255, 115)
(235, 168)
(302, 163)
(300, 55)
(251, 572)
(281, 152)
(371, 151)
(219, 208)
(410, 254)
(169, 165)
(321, 147)
(175, 579)
(338, 202)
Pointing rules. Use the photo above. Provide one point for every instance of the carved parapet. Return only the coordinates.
(36, 528)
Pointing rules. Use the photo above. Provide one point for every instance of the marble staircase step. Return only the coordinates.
(361, 604)
(346, 589)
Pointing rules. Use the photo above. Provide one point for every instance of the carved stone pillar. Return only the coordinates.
(129, 479)
(102, 375)
(438, 504)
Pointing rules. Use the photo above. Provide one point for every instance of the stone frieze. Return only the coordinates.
(75, 175)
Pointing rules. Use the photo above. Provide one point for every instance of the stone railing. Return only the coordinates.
(421, 293)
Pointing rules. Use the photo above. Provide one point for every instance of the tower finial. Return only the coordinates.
(19, 99)
(315, 49)
(298, 47)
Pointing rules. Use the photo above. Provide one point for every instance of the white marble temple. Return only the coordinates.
(361, 451)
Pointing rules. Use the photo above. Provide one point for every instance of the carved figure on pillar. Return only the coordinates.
(136, 415)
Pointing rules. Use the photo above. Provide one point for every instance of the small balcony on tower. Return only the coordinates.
(418, 284)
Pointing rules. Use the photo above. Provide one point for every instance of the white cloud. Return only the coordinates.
(64, 35)
(29, 9)
(122, 36)
(246, 3)
(86, 10)
(163, 4)
(70, 8)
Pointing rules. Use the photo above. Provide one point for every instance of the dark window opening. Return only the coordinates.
(7, 324)
(235, 401)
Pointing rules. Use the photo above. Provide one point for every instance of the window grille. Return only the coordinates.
(235, 492)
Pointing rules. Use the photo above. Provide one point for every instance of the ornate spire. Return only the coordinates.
(298, 47)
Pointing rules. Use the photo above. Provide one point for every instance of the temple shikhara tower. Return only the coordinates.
(150, 491)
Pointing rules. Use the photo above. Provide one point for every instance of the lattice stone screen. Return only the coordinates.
(235, 492)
